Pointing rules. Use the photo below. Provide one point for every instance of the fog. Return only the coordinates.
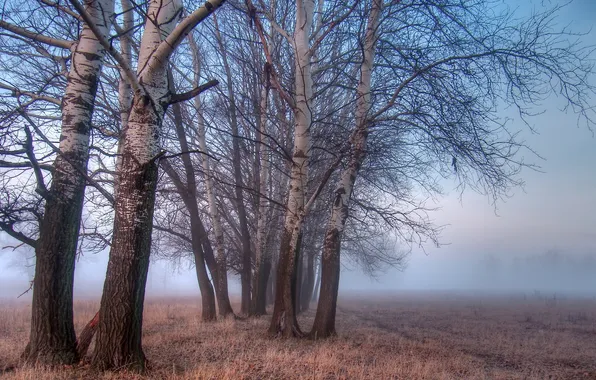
(542, 238)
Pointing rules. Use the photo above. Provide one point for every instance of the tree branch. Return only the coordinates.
(61, 8)
(36, 36)
(165, 49)
(41, 188)
(90, 180)
(15, 92)
(282, 92)
(176, 98)
(16, 165)
(131, 77)
(172, 232)
(8, 228)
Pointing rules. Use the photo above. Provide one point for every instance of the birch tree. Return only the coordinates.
(435, 97)
(284, 314)
(52, 339)
(324, 324)
(120, 316)
(221, 279)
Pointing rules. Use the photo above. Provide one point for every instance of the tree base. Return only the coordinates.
(49, 356)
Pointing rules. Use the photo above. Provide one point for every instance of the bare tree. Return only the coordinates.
(120, 317)
(52, 338)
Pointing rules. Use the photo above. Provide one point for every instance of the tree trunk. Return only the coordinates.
(52, 340)
(283, 320)
(324, 324)
(315, 292)
(188, 192)
(124, 87)
(218, 269)
(208, 311)
(262, 262)
(270, 298)
(297, 283)
(284, 313)
(308, 283)
(246, 271)
(121, 313)
(86, 336)
(217, 265)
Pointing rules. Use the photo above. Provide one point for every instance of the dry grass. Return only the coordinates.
(391, 336)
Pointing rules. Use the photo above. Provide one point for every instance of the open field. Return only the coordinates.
(390, 336)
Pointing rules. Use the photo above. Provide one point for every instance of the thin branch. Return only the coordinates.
(61, 8)
(16, 165)
(323, 182)
(191, 151)
(172, 232)
(282, 92)
(333, 24)
(41, 188)
(26, 291)
(36, 36)
(15, 92)
(82, 172)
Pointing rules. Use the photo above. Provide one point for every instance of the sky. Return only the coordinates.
(555, 210)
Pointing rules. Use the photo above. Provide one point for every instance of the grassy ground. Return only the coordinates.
(390, 336)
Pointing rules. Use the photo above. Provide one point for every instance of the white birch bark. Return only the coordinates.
(52, 339)
(324, 324)
(120, 321)
(284, 315)
(124, 87)
(263, 180)
(79, 98)
(359, 136)
(303, 118)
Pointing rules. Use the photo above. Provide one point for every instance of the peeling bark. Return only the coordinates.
(86, 336)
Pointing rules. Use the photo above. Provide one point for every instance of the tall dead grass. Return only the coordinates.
(390, 336)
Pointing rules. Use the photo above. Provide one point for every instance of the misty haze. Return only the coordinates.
(309, 189)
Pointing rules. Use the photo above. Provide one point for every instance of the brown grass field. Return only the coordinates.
(388, 336)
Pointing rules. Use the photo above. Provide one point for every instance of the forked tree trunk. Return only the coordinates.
(121, 312)
(324, 324)
(283, 320)
(220, 270)
(52, 339)
(246, 271)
